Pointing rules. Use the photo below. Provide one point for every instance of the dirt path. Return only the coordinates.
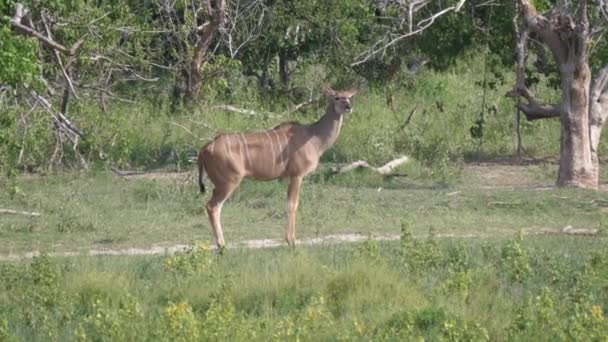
(275, 243)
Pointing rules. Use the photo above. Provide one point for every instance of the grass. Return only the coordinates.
(495, 286)
(101, 210)
(541, 288)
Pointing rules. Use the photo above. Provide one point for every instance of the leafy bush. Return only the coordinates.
(515, 260)
(106, 323)
(196, 260)
(419, 256)
(180, 323)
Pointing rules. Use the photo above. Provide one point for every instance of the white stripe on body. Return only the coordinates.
(279, 157)
(228, 146)
(211, 146)
(271, 145)
(246, 149)
(286, 152)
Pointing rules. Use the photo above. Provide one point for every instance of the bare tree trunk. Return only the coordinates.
(576, 166)
(284, 73)
(584, 106)
(216, 12)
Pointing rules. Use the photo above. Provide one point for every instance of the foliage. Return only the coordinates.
(418, 256)
(261, 295)
(131, 72)
(181, 324)
(515, 260)
(197, 259)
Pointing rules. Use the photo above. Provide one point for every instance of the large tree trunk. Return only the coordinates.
(576, 165)
(584, 106)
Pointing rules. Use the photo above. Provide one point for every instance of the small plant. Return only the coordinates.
(463, 330)
(196, 260)
(459, 282)
(180, 323)
(515, 260)
(369, 250)
(69, 222)
(419, 256)
(219, 323)
(343, 287)
(401, 324)
(540, 317)
(603, 225)
(104, 323)
(5, 334)
(307, 325)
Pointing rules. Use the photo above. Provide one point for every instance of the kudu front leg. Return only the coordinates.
(293, 196)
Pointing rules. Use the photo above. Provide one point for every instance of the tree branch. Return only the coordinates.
(537, 112)
(545, 28)
(20, 13)
(598, 103)
(64, 71)
(422, 25)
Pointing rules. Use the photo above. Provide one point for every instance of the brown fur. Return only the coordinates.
(289, 150)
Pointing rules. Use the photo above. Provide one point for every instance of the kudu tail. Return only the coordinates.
(201, 173)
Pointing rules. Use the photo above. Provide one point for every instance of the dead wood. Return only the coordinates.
(384, 170)
(122, 173)
(569, 230)
(250, 112)
(19, 212)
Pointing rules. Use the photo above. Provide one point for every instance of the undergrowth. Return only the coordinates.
(541, 289)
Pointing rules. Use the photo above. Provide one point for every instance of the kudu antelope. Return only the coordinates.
(288, 150)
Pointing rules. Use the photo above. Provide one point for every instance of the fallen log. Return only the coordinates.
(384, 170)
(19, 212)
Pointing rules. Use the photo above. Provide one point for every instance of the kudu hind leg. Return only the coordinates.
(221, 192)
(293, 197)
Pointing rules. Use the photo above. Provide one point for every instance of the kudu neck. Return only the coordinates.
(326, 130)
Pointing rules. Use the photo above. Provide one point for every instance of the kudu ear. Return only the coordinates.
(328, 91)
(355, 89)
(351, 92)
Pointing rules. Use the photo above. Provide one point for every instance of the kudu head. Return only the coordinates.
(340, 100)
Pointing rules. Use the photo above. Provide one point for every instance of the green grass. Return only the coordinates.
(101, 210)
(542, 289)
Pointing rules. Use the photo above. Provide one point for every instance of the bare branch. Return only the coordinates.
(248, 112)
(534, 110)
(16, 23)
(388, 40)
(182, 127)
(66, 76)
(537, 112)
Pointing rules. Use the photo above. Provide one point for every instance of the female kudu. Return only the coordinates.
(288, 150)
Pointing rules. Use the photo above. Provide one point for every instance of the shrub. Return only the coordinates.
(180, 323)
(515, 261)
(196, 260)
(419, 256)
(105, 323)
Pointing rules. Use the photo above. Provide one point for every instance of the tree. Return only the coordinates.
(569, 31)
(205, 33)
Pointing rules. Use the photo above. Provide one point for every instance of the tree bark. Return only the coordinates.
(576, 167)
(205, 33)
(583, 106)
